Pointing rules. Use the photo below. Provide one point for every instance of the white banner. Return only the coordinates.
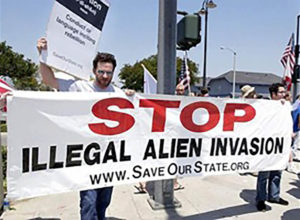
(73, 33)
(60, 142)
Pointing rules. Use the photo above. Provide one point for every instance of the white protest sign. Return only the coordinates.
(72, 34)
(60, 142)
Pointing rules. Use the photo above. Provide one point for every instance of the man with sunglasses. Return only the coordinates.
(93, 203)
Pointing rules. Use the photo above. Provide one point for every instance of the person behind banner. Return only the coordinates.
(288, 97)
(3, 101)
(180, 90)
(248, 92)
(94, 202)
(204, 92)
(277, 92)
(294, 166)
(291, 167)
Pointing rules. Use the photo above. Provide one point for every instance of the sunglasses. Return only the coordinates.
(282, 92)
(102, 72)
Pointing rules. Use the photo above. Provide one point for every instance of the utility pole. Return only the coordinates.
(163, 196)
(234, 69)
(234, 75)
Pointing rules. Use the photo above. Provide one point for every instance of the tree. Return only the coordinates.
(22, 71)
(132, 76)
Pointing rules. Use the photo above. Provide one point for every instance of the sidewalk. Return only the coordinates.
(214, 197)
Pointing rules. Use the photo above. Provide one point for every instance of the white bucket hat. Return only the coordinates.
(246, 90)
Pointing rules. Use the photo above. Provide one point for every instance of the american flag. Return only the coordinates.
(184, 77)
(4, 87)
(288, 62)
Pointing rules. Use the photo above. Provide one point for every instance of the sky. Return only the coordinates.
(258, 30)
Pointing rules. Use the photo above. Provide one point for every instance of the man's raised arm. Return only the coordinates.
(46, 72)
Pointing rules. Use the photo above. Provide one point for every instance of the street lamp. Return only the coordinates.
(234, 64)
(204, 11)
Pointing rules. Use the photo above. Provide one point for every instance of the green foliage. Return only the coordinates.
(4, 160)
(3, 127)
(132, 76)
(22, 71)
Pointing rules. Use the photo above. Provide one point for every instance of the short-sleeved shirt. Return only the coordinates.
(296, 116)
(83, 86)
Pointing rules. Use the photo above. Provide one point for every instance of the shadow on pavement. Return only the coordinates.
(291, 214)
(248, 195)
(296, 190)
(39, 218)
(218, 214)
(296, 182)
(113, 218)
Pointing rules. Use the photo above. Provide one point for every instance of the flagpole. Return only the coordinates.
(187, 71)
(296, 67)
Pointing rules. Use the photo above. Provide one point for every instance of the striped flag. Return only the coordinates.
(184, 77)
(288, 62)
(4, 87)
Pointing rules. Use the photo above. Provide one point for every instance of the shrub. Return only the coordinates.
(4, 160)
(3, 128)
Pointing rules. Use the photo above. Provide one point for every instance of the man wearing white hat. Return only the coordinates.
(248, 92)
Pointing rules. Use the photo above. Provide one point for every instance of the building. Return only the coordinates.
(196, 88)
(222, 85)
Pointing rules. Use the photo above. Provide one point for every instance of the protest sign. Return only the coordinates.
(72, 34)
(60, 142)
